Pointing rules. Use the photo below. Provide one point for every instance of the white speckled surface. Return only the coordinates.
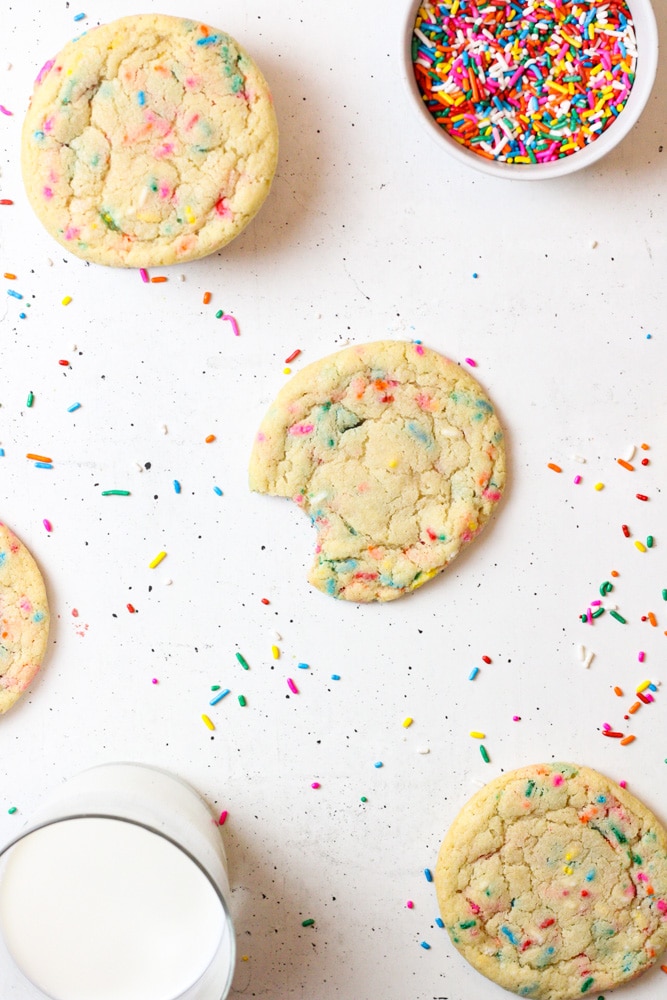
(370, 232)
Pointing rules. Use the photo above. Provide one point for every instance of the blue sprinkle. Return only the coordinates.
(73, 407)
(473, 673)
(79, 17)
(219, 696)
(590, 875)
(475, 274)
(648, 336)
(2, 452)
(652, 687)
(43, 465)
(378, 763)
(14, 295)
(439, 922)
(336, 677)
(425, 945)
(22, 316)
(216, 489)
(177, 486)
(208, 40)
(428, 874)
(141, 98)
(509, 935)
(38, 616)
(303, 666)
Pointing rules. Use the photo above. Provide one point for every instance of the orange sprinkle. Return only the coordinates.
(633, 708)
(209, 438)
(38, 458)
(663, 967)
(627, 739)
(626, 465)
(207, 298)
(9, 277)
(618, 691)
(158, 279)
(614, 572)
(645, 447)
(649, 890)
(653, 620)
(556, 468)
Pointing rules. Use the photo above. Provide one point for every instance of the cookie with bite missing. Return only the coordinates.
(151, 140)
(552, 882)
(24, 618)
(396, 455)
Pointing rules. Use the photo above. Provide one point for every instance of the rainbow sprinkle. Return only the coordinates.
(524, 83)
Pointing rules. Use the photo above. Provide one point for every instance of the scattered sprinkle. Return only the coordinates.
(307, 923)
(158, 279)
(292, 686)
(223, 816)
(407, 722)
(484, 753)
(315, 784)
(242, 701)
(131, 608)
(599, 486)
(207, 298)
(47, 524)
(79, 17)
(217, 491)
(158, 559)
(486, 659)
(73, 407)
(292, 357)
(471, 362)
(67, 300)
(209, 438)
(30, 400)
(641, 496)
(410, 905)
(378, 763)
(428, 875)
(425, 945)
(219, 696)
(116, 493)
(142, 270)
(619, 618)
(242, 660)
(473, 673)
(477, 735)
(177, 486)
(304, 666)
(554, 467)
(625, 465)
(207, 722)
(232, 322)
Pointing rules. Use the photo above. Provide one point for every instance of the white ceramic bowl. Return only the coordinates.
(646, 32)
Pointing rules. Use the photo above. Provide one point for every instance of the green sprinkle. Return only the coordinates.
(242, 660)
(606, 587)
(649, 542)
(467, 924)
(529, 788)
(485, 756)
(115, 493)
(12, 810)
(242, 701)
(215, 687)
(307, 923)
(586, 985)
(664, 595)
(620, 836)
(31, 399)
(597, 612)
(363, 799)
(619, 618)
(219, 314)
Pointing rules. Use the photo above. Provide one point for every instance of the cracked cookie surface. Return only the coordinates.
(395, 453)
(552, 882)
(24, 618)
(151, 140)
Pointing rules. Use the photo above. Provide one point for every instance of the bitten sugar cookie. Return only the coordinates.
(150, 140)
(395, 454)
(24, 618)
(552, 881)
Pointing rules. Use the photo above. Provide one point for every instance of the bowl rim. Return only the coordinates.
(648, 45)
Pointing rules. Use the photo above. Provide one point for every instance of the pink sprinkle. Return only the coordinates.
(516, 718)
(48, 193)
(596, 604)
(623, 784)
(300, 429)
(577, 480)
(6, 111)
(154, 681)
(223, 817)
(292, 686)
(47, 524)
(471, 362)
(144, 275)
(75, 613)
(315, 784)
(662, 905)
(605, 725)
(557, 780)
(410, 904)
(589, 616)
(44, 70)
(419, 349)
(640, 656)
(233, 323)
(474, 907)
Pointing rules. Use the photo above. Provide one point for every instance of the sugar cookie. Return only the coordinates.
(552, 882)
(24, 618)
(396, 455)
(150, 140)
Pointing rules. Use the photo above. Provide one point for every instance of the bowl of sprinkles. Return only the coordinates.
(530, 89)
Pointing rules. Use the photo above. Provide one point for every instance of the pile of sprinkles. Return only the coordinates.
(524, 81)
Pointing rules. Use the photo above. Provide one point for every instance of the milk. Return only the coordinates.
(103, 909)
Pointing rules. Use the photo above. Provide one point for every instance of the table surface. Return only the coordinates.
(371, 231)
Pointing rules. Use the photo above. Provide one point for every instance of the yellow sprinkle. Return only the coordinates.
(158, 559)
(287, 371)
(244, 958)
(275, 652)
(567, 869)
(407, 722)
(67, 300)
(477, 736)
(599, 486)
(640, 545)
(207, 722)
(568, 857)
(393, 463)
(189, 214)
(643, 686)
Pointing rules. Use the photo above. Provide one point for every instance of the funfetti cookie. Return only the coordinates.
(151, 140)
(24, 618)
(396, 455)
(552, 881)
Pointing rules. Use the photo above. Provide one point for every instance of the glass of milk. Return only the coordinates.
(117, 890)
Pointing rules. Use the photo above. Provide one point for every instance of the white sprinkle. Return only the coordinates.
(182, 277)
(423, 750)
(74, 347)
(168, 583)
(165, 429)
(277, 636)
(139, 467)
(422, 38)
(589, 659)
(580, 652)
(579, 458)
(630, 453)
(594, 244)
(49, 262)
